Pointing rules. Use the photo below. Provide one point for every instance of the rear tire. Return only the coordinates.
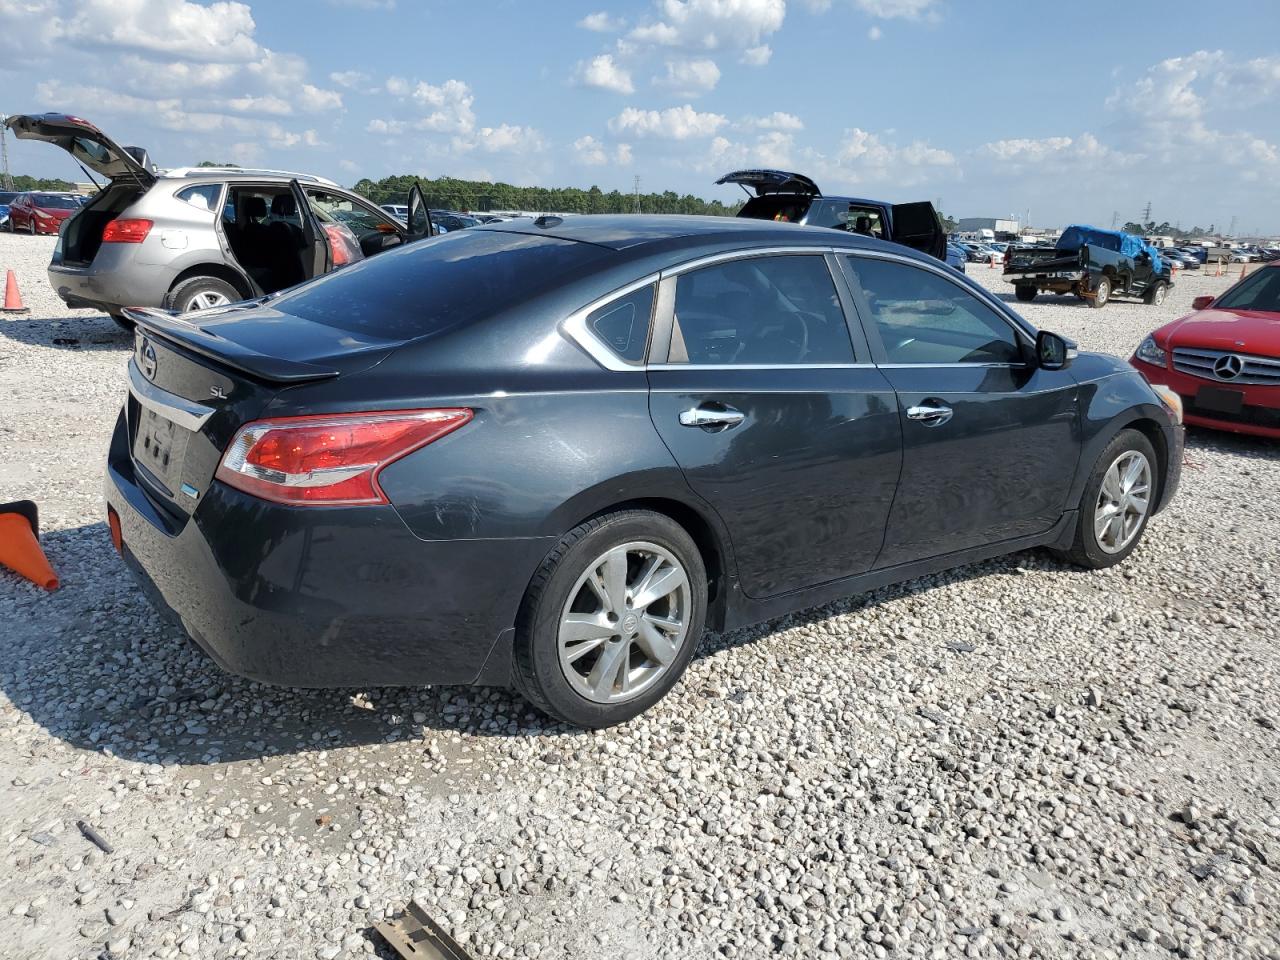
(1155, 296)
(31, 226)
(578, 648)
(1102, 294)
(1121, 498)
(1025, 294)
(201, 293)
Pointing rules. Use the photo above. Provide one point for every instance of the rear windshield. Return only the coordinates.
(434, 285)
(52, 201)
(783, 207)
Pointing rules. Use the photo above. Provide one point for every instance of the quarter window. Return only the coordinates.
(760, 310)
(204, 196)
(925, 318)
(623, 324)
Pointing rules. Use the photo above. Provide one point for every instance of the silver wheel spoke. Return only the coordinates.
(656, 644)
(604, 678)
(1133, 472)
(1111, 484)
(661, 582)
(577, 627)
(613, 578)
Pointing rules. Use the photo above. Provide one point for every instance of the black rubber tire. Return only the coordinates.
(180, 296)
(31, 226)
(1025, 294)
(536, 663)
(1084, 550)
(1155, 296)
(1101, 294)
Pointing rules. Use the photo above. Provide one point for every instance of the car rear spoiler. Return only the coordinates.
(183, 333)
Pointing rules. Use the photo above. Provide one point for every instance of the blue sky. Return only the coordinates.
(994, 108)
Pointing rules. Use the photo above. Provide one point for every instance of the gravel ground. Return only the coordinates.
(1011, 759)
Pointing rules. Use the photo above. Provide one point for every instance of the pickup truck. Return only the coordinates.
(793, 198)
(1094, 264)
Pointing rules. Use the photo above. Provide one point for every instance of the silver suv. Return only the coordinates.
(199, 237)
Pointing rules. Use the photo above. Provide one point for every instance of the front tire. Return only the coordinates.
(1025, 294)
(1116, 503)
(611, 619)
(1155, 296)
(202, 293)
(1102, 294)
(31, 226)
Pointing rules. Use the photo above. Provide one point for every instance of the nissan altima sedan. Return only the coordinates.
(549, 454)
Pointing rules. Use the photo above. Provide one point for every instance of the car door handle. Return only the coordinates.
(717, 417)
(932, 413)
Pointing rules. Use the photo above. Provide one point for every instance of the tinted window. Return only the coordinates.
(434, 285)
(624, 324)
(760, 310)
(7, 197)
(925, 318)
(204, 196)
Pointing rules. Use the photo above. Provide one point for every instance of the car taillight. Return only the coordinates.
(126, 231)
(329, 459)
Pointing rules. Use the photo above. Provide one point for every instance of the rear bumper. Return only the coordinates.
(322, 597)
(1259, 416)
(113, 280)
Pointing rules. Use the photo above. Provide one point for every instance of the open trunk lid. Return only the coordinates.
(196, 378)
(87, 145)
(772, 181)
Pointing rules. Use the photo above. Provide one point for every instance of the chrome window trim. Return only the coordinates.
(762, 366)
(977, 291)
(574, 328)
(743, 254)
(183, 412)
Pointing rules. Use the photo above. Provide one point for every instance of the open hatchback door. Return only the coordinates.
(419, 218)
(87, 145)
(772, 181)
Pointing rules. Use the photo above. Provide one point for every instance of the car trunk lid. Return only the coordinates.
(196, 378)
(772, 181)
(87, 145)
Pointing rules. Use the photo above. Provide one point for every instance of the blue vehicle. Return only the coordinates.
(6, 198)
(956, 256)
(786, 197)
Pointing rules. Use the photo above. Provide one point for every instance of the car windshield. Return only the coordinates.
(1261, 291)
(435, 285)
(53, 201)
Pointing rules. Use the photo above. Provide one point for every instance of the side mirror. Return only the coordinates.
(1202, 302)
(1054, 352)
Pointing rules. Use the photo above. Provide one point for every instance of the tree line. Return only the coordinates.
(481, 195)
(22, 183)
(1153, 229)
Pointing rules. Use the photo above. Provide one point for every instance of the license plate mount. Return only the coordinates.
(1219, 400)
(160, 445)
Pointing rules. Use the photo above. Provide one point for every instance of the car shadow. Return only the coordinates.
(89, 331)
(97, 668)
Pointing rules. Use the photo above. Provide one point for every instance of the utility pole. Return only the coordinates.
(1146, 214)
(1231, 232)
(637, 193)
(6, 178)
(1115, 218)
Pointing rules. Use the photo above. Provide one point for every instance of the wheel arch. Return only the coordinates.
(219, 271)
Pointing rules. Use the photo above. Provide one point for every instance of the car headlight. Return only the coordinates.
(42, 215)
(1169, 397)
(1148, 352)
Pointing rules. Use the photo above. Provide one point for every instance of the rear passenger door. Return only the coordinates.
(989, 438)
(766, 399)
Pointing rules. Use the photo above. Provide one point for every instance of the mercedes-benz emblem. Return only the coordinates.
(1228, 367)
(147, 359)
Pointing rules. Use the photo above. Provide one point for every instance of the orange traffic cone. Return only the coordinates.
(12, 299)
(19, 548)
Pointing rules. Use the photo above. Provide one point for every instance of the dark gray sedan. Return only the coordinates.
(549, 453)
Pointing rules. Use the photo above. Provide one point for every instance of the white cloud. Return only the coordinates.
(351, 79)
(622, 154)
(777, 121)
(604, 73)
(891, 9)
(602, 23)
(875, 33)
(590, 152)
(674, 123)
(712, 24)
(272, 105)
(220, 32)
(756, 56)
(312, 99)
(450, 104)
(507, 138)
(689, 78)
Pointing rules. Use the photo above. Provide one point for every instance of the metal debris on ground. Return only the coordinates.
(415, 936)
(94, 837)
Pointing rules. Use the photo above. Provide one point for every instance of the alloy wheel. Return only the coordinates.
(625, 622)
(1123, 501)
(206, 299)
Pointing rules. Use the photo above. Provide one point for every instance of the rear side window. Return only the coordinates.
(623, 324)
(205, 195)
(760, 310)
(435, 285)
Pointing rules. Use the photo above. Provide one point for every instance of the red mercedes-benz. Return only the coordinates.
(1223, 358)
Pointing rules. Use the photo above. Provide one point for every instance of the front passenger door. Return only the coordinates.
(989, 438)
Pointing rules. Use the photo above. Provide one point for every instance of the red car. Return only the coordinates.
(40, 212)
(1223, 359)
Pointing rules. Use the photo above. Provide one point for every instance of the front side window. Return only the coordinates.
(925, 318)
(623, 324)
(1261, 291)
(760, 310)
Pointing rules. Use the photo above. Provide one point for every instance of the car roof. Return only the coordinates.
(242, 173)
(635, 231)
